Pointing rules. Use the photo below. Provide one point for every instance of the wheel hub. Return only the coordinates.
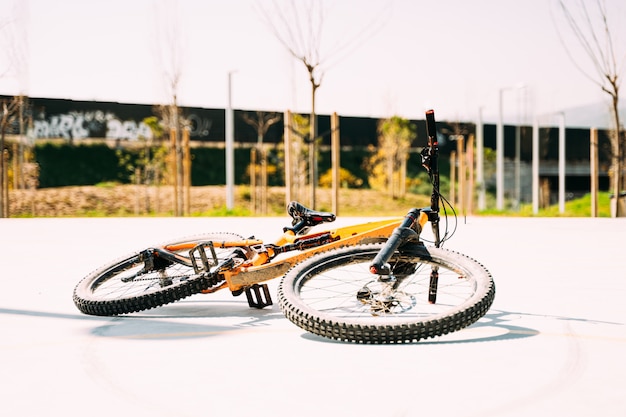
(383, 299)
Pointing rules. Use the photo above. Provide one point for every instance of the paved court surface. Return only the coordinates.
(553, 344)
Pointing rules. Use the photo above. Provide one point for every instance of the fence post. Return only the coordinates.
(288, 157)
(593, 161)
(334, 138)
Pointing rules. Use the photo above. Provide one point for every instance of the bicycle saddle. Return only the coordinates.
(305, 217)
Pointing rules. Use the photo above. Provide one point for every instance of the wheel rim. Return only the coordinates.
(351, 294)
(120, 282)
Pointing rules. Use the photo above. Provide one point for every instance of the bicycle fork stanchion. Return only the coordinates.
(408, 231)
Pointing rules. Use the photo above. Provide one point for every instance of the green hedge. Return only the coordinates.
(66, 164)
(351, 160)
(208, 166)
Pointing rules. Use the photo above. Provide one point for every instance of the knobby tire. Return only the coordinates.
(334, 295)
(105, 293)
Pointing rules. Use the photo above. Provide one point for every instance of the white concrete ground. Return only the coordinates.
(553, 344)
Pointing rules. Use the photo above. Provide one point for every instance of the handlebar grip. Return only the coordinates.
(431, 128)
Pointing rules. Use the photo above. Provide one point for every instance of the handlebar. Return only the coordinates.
(410, 228)
(433, 171)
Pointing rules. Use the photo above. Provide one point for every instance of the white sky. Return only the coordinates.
(450, 55)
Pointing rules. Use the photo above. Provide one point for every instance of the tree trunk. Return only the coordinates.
(312, 139)
(616, 160)
(2, 173)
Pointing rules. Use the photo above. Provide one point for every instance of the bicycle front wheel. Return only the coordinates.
(126, 286)
(334, 294)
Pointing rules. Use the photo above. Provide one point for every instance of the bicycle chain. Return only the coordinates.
(213, 280)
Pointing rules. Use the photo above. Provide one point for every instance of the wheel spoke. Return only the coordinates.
(334, 290)
(137, 282)
(335, 295)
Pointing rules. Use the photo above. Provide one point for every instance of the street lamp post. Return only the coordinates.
(535, 166)
(480, 171)
(230, 143)
(561, 117)
(500, 155)
(500, 149)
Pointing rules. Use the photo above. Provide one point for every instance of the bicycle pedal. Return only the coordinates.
(258, 296)
(205, 265)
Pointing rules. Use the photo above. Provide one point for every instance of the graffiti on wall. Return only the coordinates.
(78, 125)
(199, 127)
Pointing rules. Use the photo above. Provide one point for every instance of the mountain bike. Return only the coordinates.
(375, 282)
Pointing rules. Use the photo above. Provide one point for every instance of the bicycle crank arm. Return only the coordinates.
(158, 257)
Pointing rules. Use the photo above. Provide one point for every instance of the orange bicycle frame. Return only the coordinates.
(265, 264)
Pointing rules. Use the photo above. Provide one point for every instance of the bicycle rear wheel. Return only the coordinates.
(124, 287)
(334, 295)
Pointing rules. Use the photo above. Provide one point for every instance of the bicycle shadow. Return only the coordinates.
(494, 326)
(172, 321)
(176, 321)
(161, 323)
(166, 322)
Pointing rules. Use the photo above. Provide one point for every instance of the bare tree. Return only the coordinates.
(9, 109)
(298, 26)
(6, 63)
(387, 164)
(261, 123)
(169, 55)
(295, 168)
(13, 64)
(6, 112)
(17, 48)
(589, 22)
